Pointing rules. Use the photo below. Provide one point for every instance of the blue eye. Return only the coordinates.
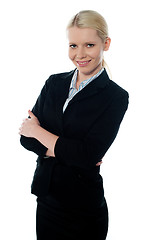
(90, 45)
(73, 46)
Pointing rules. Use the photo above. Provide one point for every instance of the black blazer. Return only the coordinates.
(86, 130)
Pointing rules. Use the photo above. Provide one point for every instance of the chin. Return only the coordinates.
(89, 71)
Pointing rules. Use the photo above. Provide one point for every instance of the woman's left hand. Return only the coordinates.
(29, 125)
(99, 164)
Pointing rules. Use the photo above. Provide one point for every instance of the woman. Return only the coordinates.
(72, 125)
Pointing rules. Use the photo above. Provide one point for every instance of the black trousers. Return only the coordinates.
(71, 224)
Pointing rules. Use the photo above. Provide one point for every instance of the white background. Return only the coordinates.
(33, 45)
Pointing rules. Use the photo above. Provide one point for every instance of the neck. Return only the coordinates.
(81, 76)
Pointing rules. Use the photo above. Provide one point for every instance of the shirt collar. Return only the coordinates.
(82, 84)
(74, 79)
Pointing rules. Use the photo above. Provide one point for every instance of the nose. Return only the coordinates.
(81, 53)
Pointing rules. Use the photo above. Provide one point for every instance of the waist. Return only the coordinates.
(77, 187)
(75, 177)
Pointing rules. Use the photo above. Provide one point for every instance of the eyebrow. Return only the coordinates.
(88, 42)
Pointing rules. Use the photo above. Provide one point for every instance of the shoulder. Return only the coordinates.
(53, 79)
(115, 94)
(119, 96)
(112, 89)
(117, 90)
(58, 76)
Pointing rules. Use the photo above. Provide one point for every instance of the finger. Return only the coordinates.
(24, 121)
(99, 163)
(31, 114)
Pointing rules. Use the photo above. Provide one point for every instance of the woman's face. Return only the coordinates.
(86, 50)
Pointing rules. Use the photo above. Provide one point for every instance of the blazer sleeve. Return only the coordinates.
(88, 152)
(33, 144)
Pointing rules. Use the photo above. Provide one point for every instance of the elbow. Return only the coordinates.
(31, 144)
(23, 141)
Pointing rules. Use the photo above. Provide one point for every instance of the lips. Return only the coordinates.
(83, 63)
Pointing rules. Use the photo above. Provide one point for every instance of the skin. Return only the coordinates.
(86, 52)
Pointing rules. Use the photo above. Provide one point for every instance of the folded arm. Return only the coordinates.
(31, 143)
(83, 153)
(31, 128)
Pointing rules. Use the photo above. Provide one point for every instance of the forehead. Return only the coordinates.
(76, 34)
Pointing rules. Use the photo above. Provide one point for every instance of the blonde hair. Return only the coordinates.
(94, 20)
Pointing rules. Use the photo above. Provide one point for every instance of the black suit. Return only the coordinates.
(86, 130)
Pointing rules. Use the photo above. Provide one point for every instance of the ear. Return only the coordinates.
(107, 44)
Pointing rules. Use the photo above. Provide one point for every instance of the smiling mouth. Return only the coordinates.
(83, 63)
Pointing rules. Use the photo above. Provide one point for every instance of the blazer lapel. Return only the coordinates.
(92, 88)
